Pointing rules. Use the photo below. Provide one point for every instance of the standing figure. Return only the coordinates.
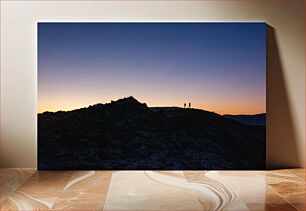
(189, 105)
(184, 105)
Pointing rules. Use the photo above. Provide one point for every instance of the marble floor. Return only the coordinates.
(29, 189)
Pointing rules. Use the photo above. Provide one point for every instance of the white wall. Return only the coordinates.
(286, 63)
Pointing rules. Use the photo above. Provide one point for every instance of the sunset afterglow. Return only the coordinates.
(216, 67)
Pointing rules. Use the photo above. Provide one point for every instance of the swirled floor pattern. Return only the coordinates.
(28, 189)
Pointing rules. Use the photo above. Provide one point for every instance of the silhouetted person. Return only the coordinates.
(189, 105)
(184, 105)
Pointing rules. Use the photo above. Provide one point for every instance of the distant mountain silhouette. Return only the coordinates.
(126, 134)
(257, 119)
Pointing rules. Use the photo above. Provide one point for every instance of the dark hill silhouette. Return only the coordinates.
(257, 119)
(126, 134)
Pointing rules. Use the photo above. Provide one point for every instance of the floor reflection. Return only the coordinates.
(28, 189)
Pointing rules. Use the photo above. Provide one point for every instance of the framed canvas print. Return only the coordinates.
(167, 96)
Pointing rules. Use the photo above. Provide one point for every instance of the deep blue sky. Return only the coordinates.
(215, 66)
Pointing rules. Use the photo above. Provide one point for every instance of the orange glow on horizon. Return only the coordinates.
(220, 109)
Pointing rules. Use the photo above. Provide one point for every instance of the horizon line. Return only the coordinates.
(112, 101)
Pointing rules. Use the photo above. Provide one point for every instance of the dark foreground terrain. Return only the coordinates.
(126, 134)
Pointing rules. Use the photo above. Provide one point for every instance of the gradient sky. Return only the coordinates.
(218, 67)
